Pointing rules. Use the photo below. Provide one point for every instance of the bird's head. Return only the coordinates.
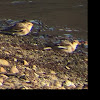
(75, 43)
(29, 25)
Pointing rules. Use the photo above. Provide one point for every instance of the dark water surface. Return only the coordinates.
(54, 13)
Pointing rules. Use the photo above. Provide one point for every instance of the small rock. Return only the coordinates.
(86, 59)
(34, 67)
(7, 53)
(15, 59)
(52, 72)
(2, 70)
(69, 84)
(67, 67)
(36, 75)
(35, 44)
(14, 70)
(26, 63)
(4, 76)
(4, 62)
(47, 48)
(1, 81)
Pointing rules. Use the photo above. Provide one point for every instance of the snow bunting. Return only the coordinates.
(67, 46)
(20, 28)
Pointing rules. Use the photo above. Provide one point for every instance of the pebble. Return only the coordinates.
(34, 67)
(67, 67)
(7, 53)
(1, 81)
(35, 44)
(2, 70)
(47, 48)
(52, 72)
(86, 59)
(4, 76)
(36, 75)
(69, 84)
(14, 70)
(26, 63)
(15, 59)
(4, 62)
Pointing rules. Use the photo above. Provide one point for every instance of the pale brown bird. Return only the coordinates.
(20, 28)
(67, 46)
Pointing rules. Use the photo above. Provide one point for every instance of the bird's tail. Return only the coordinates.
(5, 32)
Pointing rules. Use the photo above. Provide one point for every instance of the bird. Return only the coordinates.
(21, 28)
(66, 46)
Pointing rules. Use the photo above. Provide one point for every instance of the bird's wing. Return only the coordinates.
(65, 42)
(64, 46)
(12, 29)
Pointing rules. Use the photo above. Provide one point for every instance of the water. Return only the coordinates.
(62, 16)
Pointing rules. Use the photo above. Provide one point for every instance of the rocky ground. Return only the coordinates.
(26, 62)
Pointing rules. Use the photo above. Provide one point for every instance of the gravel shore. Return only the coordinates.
(29, 63)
